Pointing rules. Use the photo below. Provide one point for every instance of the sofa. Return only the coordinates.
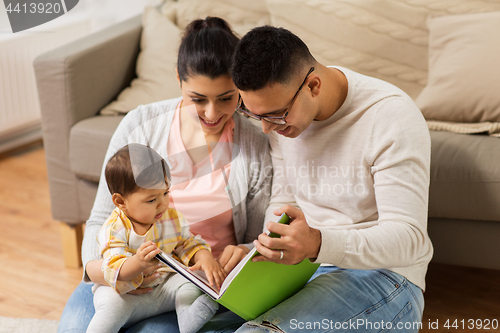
(86, 87)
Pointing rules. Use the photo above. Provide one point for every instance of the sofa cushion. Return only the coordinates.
(465, 177)
(241, 15)
(384, 39)
(156, 77)
(490, 128)
(88, 143)
(464, 74)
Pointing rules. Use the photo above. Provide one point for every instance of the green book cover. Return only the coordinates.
(251, 288)
(261, 285)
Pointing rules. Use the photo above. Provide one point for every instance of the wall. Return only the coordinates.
(19, 106)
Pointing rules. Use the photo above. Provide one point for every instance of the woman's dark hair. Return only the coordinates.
(133, 167)
(268, 55)
(206, 49)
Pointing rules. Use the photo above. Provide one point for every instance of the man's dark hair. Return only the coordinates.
(268, 55)
(206, 49)
(133, 167)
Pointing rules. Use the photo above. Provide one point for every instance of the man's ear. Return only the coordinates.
(314, 85)
(119, 201)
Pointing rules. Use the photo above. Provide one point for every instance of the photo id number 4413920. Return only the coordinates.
(33, 7)
(467, 324)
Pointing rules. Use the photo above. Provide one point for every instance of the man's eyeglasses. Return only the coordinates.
(281, 120)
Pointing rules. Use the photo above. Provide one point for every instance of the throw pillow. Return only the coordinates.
(464, 71)
(156, 77)
(386, 39)
(241, 15)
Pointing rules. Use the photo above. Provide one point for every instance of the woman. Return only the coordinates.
(220, 165)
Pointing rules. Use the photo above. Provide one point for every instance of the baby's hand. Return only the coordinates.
(213, 270)
(146, 254)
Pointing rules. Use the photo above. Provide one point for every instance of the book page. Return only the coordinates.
(199, 278)
(196, 277)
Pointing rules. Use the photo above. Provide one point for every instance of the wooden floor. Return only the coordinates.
(35, 283)
(33, 280)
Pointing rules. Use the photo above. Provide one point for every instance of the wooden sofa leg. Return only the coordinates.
(72, 237)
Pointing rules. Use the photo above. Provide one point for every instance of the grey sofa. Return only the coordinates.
(74, 82)
(77, 80)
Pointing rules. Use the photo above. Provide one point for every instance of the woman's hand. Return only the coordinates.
(150, 274)
(231, 256)
(204, 260)
(94, 272)
(93, 269)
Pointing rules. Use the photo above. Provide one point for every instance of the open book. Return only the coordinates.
(251, 288)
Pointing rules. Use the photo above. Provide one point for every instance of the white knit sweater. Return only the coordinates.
(362, 177)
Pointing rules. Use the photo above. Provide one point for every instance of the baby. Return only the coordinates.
(139, 228)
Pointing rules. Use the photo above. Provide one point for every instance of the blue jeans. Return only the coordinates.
(344, 300)
(335, 300)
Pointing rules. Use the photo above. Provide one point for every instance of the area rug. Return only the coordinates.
(27, 325)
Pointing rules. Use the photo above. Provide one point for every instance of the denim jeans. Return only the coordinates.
(335, 300)
(344, 300)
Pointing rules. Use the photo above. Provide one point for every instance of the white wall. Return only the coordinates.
(103, 13)
(4, 21)
(20, 118)
(19, 106)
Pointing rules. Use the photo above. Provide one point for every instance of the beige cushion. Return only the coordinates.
(88, 142)
(241, 15)
(492, 129)
(464, 177)
(156, 78)
(464, 69)
(385, 39)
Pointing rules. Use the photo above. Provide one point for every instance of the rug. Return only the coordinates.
(27, 325)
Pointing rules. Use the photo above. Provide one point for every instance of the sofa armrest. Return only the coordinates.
(79, 78)
(74, 82)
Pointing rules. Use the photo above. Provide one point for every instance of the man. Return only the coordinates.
(351, 159)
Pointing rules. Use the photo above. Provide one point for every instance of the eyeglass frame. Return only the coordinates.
(281, 120)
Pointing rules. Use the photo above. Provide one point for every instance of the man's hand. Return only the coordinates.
(298, 240)
(204, 260)
(231, 256)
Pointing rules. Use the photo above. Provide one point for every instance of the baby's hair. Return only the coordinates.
(136, 166)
